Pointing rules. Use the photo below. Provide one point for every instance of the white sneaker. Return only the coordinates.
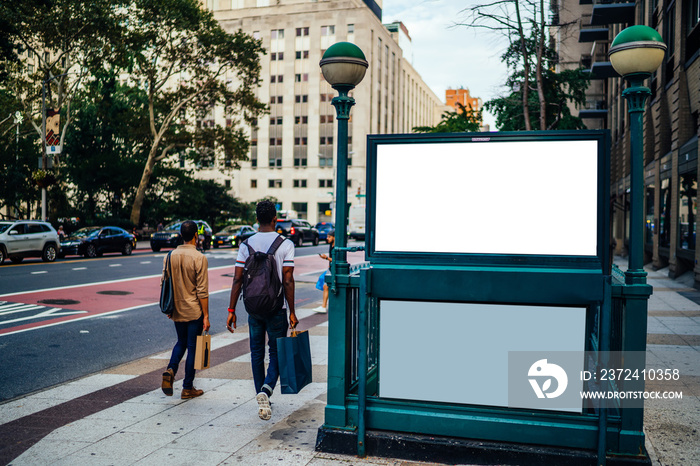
(320, 310)
(264, 409)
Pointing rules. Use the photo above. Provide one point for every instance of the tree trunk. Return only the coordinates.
(526, 70)
(540, 65)
(143, 185)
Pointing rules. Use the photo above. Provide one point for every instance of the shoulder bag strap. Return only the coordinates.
(276, 244)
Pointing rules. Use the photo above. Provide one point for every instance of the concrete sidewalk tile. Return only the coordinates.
(222, 439)
(52, 452)
(681, 325)
(88, 430)
(21, 407)
(672, 428)
(130, 411)
(183, 457)
(169, 422)
(228, 370)
(122, 447)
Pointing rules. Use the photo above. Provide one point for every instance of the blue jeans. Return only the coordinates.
(275, 327)
(187, 333)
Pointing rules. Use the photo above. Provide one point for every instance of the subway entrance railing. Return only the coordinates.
(456, 343)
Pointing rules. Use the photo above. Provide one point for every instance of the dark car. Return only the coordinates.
(298, 231)
(233, 235)
(169, 236)
(95, 241)
(323, 229)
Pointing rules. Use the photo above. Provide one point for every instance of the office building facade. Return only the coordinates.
(293, 147)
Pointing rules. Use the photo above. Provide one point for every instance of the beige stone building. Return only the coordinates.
(293, 149)
(671, 123)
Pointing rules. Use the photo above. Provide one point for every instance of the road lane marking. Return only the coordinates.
(115, 265)
(17, 307)
(91, 316)
(39, 272)
(108, 282)
(80, 268)
(50, 312)
(145, 262)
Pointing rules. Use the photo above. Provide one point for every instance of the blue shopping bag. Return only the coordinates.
(294, 358)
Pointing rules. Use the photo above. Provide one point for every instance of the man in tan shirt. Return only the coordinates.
(190, 271)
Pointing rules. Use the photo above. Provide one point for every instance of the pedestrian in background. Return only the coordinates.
(190, 277)
(322, 284)
(275, 326)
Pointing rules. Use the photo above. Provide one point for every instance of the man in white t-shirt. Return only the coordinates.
(275, 326)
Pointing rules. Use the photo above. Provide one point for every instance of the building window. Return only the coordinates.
(301, 77)
(326, 140)
(277, 56)
(300, 141)
(351, 29)
(299, 184)
(301, 99)
(279, 78)
(301, 209)
(277, 34)
(665, 214)
(274, 183)
(275, 141)
(276, 99)
(325, 183)
(302, 54)
(687, 210)
(276, 121)
(302, 32)
(327, 30)
(253, 183)
(303, 119)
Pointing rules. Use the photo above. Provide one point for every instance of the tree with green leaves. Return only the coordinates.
(189, 67)
(465, 119)
(537, 93)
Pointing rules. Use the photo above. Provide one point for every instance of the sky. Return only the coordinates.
(448, 56)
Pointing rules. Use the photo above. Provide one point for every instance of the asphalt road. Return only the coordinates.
(60, 321)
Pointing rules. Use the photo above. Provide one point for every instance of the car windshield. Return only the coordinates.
(4, 226)
(86, 231)
(324, 226)
(231, 229)
(173, 226)
(285, 224)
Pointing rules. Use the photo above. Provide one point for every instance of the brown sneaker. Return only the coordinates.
(167, 385)
(191, 393)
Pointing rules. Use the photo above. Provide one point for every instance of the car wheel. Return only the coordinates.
(91, 251)
(299, 241)
(2, 255)
(127, 249)
(316, 240)
(155, 249)
(16, 259)
(49, 253)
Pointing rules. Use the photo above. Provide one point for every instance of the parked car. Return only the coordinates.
(170, 236)
(95, 241)
(233, 235)
(323, 229)
(28, 238)
(298, 231)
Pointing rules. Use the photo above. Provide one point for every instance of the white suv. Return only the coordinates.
(28, 238)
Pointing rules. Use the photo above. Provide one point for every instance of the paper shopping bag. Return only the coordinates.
(201, 354)
(294, 357)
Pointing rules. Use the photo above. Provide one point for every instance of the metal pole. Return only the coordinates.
(636, 95)
(342, 103)
(43, 145)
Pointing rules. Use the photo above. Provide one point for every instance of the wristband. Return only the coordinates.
(232, 311)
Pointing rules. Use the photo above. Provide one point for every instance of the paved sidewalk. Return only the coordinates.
(121, 417)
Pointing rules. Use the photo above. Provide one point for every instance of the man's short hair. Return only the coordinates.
(265, 211)
(331, 233)
(188, 229)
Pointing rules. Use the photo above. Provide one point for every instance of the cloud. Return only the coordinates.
(449, 56)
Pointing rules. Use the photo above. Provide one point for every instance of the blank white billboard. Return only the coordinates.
(498, 197)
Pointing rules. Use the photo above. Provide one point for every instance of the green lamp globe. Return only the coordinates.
(343, 64)
(637, 49)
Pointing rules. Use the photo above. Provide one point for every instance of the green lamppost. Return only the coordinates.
(343, 66)
(635, 53)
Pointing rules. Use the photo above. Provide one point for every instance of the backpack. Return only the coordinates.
(263, 295)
